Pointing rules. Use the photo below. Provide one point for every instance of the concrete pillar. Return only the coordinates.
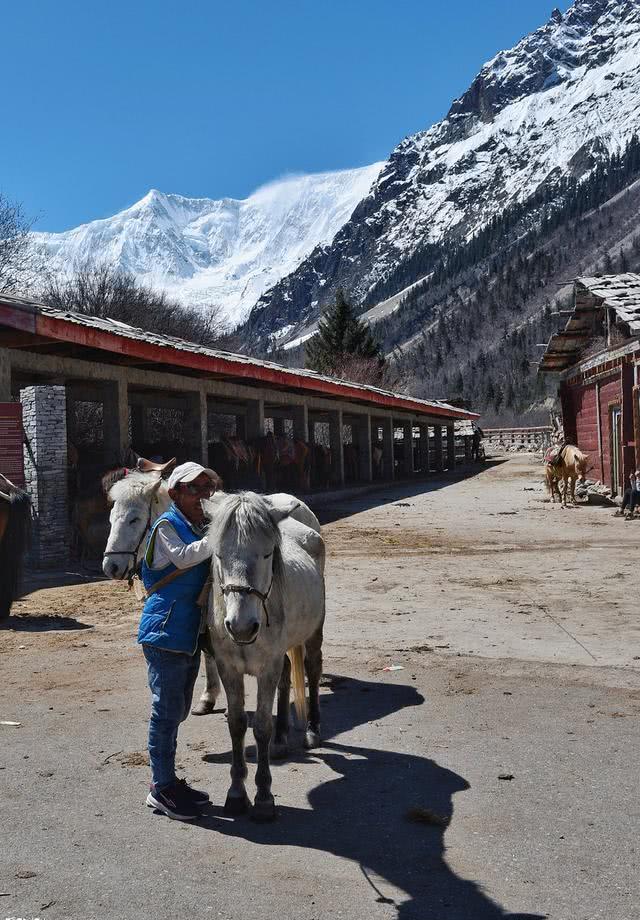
(116, 420)
(337, 453)
(387, 449)
(44, 414)
(437, 447)
(300, 415)
(196, 427)
(363, 442)
(5, 376)
(255, 419)
(407, 449)
(423, 449)
(451, 447)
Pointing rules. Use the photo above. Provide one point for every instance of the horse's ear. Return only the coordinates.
(212, 505)
(281, 506)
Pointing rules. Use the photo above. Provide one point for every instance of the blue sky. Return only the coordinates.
(102, 102)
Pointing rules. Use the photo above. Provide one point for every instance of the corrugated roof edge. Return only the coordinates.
(135, 334)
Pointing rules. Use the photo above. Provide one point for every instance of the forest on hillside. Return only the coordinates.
(473, 328)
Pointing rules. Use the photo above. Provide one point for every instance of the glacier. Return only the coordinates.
(217, 254)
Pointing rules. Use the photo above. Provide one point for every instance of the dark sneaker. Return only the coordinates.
(174, 802)
(198, 796)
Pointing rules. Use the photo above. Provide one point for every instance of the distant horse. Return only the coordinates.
(15, 527)
(570, 466)
(266, 614)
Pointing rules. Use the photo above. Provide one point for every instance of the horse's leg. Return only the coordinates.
(207, 702)
(264, 808)
(313, 667)
(237, 801)
(279, 745)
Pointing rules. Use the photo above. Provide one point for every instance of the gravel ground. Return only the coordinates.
(511, 732)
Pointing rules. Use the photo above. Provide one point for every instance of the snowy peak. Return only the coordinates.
(220, 254)
(580, 39)
(552, 106)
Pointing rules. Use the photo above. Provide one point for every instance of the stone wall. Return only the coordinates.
(511, 440)
(45, 467)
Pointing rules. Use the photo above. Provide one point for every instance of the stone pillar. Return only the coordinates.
(196, 427)
(300, 415)
(255, 419)
(363, 442)
(437, 447)
(337, 452)
(423, 449)
(5, 376)
(451, 447)
(44, 414)
(116, 421)
(387, 449)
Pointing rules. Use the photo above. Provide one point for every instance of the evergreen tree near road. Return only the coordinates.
(344, 346)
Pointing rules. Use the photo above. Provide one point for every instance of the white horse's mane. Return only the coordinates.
(248, 512)
(133, 486)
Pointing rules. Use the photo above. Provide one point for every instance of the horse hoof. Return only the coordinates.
(278, 750)
(235, 805)
(203, 708)
(311, 739)
(264, 811)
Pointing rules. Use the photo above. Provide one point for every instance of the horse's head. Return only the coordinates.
(582, 466)
(137, 499)
(246, 557)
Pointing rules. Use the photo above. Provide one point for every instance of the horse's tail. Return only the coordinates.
(296, 657)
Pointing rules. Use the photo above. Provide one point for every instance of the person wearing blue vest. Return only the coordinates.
(175, 568)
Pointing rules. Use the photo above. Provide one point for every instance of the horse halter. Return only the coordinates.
(134, 552)
(248, 589)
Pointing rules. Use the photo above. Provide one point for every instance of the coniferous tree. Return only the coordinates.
(344, 343)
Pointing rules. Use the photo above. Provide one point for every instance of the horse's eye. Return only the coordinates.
(134, 520)
(269, 554)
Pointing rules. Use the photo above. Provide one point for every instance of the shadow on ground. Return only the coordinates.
(390, 493)
(42, 622)
(361, 814)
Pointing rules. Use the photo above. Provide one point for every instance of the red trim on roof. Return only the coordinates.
(88, 336)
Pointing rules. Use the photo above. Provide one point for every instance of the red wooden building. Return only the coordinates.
(597, 359)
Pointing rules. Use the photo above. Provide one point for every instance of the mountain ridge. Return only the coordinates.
(216, 254)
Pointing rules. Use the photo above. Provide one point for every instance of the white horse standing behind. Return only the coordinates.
(267, 600)
(138, 498)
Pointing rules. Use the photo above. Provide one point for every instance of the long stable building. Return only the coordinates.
(53, 360)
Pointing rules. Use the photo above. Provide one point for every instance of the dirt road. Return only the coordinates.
(515, 624)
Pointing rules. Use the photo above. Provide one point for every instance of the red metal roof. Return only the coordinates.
(115, 338)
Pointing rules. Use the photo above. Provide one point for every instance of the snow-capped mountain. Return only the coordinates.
(222, 254)
(550, 107)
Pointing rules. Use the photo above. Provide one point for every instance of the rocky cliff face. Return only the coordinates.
(551, 106)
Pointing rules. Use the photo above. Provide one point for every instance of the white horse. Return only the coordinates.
(266, 606)
(138, 498)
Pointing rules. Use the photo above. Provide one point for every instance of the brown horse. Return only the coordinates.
(571, 466)
(15, 521)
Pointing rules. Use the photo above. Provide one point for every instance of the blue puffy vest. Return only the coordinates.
(171, 617)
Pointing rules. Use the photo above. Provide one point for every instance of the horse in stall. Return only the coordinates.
(266, 616)
(15, 529)
(569, 466)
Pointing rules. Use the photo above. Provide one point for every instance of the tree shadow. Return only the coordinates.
(361, 814)
(42, 622)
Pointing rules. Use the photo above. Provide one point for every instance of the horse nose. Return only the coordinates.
(248, 634)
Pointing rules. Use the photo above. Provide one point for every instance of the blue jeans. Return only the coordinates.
(172, 677)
